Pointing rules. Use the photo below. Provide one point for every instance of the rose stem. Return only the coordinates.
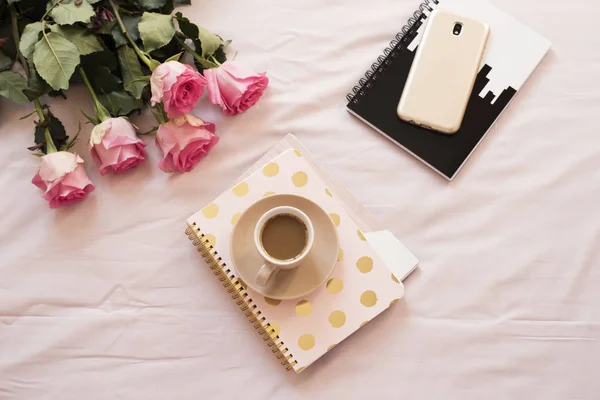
(152, 64)
(101, 112)
(159, 114)
(50, 146)
(202, 61)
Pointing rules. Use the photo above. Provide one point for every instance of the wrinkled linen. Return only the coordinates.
(107, 299)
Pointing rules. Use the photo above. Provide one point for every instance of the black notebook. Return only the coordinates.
(513, 51)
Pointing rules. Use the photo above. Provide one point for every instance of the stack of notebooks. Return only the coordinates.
(513, 52)
(302, 330)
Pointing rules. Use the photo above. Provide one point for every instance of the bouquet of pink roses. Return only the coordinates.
(127, 53)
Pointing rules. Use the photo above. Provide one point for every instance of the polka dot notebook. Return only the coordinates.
(299, 331)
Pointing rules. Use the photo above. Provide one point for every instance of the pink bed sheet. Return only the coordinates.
(108, 300)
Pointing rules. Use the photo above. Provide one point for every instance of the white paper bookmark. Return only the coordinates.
(397, 258)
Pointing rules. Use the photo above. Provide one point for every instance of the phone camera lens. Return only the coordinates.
(457, 28)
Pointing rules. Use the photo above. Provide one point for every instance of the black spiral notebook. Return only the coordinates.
(512, 53)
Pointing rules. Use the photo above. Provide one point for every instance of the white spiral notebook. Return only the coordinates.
(366, 279)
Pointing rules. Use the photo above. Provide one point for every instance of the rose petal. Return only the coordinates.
(184, 142)
(177, 86)
(234, 88)
(117, 146)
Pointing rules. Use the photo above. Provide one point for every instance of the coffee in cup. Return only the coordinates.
(283, 236)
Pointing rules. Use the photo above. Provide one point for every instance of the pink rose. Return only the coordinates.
(184, 141)
(178, 86)
(234, 88)
(115, 146)
(62, 178)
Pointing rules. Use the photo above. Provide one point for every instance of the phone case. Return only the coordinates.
(443, 72)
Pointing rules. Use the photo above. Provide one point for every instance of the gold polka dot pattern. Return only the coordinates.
(337, 319)
(241, 190)
(210, 211)
(273, 328)
(271, 169)
(212, 240)
(272, 302)
(364, 264)
(304, 308)
(335, 218)
(300, 179)
(334, 285)
(368, 298)
(306, 341)
(235, 218)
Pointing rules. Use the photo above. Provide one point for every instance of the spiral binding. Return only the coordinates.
(402, 38)
(237, 289)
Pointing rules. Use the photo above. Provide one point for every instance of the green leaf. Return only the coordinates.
(30, 36)
(131, 70)
(105, 58)
(72, 142)
(220, 55)
(86, 43)
(106, 27)
(131, 22)
(152, 4)
(6, 62)
(9, 47)
(55, 59)
(187, 27)
(32, 9)
(57, 93)
(167, 51)
(57, 132)
(102, 80)
(200, 63)
(183, 2)
(120, 103)
(69, 12)
(93, 1)
(92, 120)
(36, 86)
(210, 42)
(28, 115)
(175, 57)
(12, 85)
(156, 30)
(167, 8)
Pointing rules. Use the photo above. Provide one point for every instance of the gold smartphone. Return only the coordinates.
(443, 72)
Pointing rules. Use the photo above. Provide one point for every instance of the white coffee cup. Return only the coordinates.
(283, 250)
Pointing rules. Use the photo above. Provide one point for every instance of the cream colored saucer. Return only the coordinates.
(297, 282)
